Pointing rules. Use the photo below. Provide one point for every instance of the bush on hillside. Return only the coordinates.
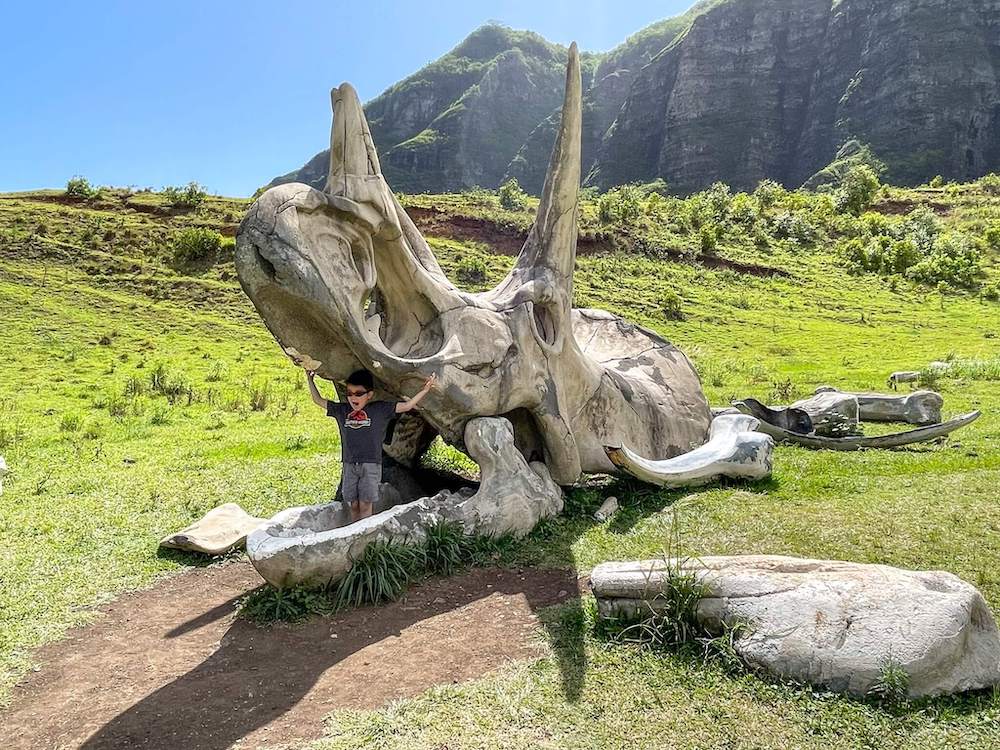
(80, 187)
(512, 197)
(953, 260)
(191, 196)
(196, 244)
(621, 205)
(858, 189)
(990, 184)
(768, 193)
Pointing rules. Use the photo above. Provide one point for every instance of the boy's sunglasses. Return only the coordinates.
(356, 393)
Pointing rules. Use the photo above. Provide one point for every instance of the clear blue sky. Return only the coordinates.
(227, 93)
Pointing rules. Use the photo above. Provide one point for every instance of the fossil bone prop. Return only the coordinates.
(344, 275)
(531, 388)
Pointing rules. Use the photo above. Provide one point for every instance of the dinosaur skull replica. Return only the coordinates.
(531, 388)
(344, 275)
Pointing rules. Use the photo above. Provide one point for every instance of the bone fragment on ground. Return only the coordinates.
(903, 376)
(733, 450)
(857, 442)
(918, 407)
(316, 545)
(833, 414)
(220, 530)
(829, 623)
(608, 508)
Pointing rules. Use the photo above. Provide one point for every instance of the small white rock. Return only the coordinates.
(608, 508)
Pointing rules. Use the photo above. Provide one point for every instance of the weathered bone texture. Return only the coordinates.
(315, 545)
(832, 414)
(220, 530)
(856, 442)
(344, 275)
(902, 376)
(919, 407)
(733, 450)
(787, 418)
(829, 623)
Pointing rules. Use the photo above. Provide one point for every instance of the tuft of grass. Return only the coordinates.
(893, 684)
(268, 604)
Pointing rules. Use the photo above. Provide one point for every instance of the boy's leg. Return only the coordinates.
(350, 475)
(371, 477)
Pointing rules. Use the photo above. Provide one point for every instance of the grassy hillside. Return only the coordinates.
(139, 389)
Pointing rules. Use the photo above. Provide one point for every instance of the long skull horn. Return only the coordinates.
(544, 269)
(552, 240)
(352, 151)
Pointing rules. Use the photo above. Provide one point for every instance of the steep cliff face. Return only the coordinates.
(732, 90)
(474, 139)
(772, 88)
(918, 80)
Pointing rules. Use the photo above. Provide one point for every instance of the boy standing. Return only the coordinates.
(362, 424)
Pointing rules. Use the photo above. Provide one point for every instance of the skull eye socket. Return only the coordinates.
(545, 328)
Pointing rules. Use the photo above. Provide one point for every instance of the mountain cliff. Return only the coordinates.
(732, 90)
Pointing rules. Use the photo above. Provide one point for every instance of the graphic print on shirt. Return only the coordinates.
(357, 420)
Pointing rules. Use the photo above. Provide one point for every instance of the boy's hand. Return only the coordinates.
(429, 383)
(310, 374)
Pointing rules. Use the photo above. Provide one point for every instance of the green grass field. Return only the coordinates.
(137, 392)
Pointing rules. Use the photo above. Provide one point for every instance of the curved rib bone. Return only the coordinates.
(895, 440)
(733, 450)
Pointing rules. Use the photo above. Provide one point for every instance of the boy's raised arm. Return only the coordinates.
(313, 391)
(405, 406)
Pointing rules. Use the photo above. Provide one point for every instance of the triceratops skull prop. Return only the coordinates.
(344, 275)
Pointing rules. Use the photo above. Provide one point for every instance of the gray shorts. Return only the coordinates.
(359, 482)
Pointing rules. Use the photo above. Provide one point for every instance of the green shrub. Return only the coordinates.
(788, 225)
(990, 183)
(512, 197)
(621, 205)
(190, 196)
(481, 197)
(672, 306)
(744, 209)
(719, 198)
(708, 238)
(196, 243)
(858, 189)
(992, 237)
(80, 187)
(953, 259)
(768, 193)
(992, 292)
(471, 270)
(937, 182)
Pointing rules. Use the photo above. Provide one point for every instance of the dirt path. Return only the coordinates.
(171, 667)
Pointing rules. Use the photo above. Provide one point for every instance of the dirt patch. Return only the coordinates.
(172, 667)
(896, 208)
(508, 240)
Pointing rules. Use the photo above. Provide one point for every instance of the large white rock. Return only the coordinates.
(217, 532)
(830, 623)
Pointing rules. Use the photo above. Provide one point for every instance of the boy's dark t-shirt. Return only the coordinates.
(362, 431)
